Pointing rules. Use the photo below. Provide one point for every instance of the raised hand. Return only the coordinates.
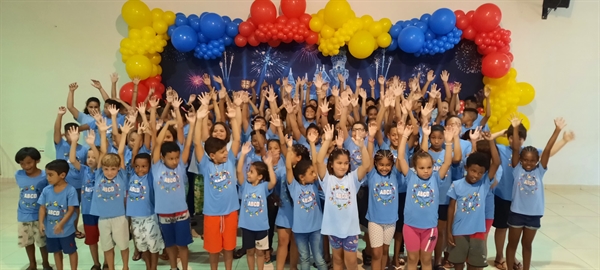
(560, 123)
(114, 77)
(153, 102)
(427, 109)
(445, 76)
(449, 133)
(268, 159)
(136, 80)
(190, 116)
(515, 121)
(328, 132)
(345, 101)
(435, 91)
(62, 110)
(409, 129)
(569, 136)
(475, 134)
(141, 108)
(372, 83)
(381, 79)
(222, 93)
(246, 148)
(359, 82)
(275, 121)
(400, 128)
(73, 87)
(341, 77)
(101, 125)
(278, 81)
(252, 83)
(217, 79)
(430, 76)
(204, 99)
(192, 98)
(288, 88)
(354, 101)
(335, 91)
(372, 129)
(73, 134)
(325, 107)
(126, 127)
(426, 128)
(456, 87)
(486, 91)
(96, 84)
(91, 137)
(206, 79)
(202, 112)
(486, 135)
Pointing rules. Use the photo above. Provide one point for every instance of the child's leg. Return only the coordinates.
(125, 258)
(146, 258)
(425, 258)
(338, 261)
(303, 249)
(250, 253)
(428, 239)
(109, 256)
(153, 257)
(73, 259)
(260, 258)
(45, 262)
(526, 241)
(385, 256)
(228, 258)
(293, 254)
(213, 259)
(397, 245)
(316, 247)
(459, 266)
(376, 241)
(350, 260)
(26, 235)
(283, 240)
(94, 253)
(184, 253)
(514, 235)
(77, 211)
(501, 211)
(412, 240)
(30, 249)
(441, 243)
(326, 249)
(58, 260)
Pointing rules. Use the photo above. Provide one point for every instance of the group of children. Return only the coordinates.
(405, 167)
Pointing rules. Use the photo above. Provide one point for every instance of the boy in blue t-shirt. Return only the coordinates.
(31, 181)
(57, 207)
(466, 211)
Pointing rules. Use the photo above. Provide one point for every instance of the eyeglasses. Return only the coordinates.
(358, 129)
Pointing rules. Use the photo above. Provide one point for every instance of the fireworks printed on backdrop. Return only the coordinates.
(194, 82)
(381, 63)
(308, 54)
(226, 63)
(467, 58)
(267, 61)
(420, 69)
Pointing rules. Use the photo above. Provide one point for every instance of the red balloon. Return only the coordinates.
(262, 27)
(469, 33)
(126, 92)
(305, 19)
(263, 11)
(240, 41)
(470, 14)
(274, 43)
(262, 39)
(281, 35)
(495, 65)
(312, 38)
(293, 8)
(459, 14)
(479, 50)
(487, 41)
(489, 50)
(478, 40)
(251, 21)
(282, 19)
(293, 22)
(462, 23)
(505, 49)
(158, 77)
(246, 29)
(253, 41)
(154, 82)
(510, 56)
(487, 17)
(299, 38)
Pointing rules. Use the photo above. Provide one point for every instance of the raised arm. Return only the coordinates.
(496, 161)
(430, 78)
(96, 84)
(456, 149)
(159, 141)
(102, 129)
(449, 134)
(58, 124)
(125, 128)
(234, 112)
(560, 124)
(272, 177)
(404, 133)
(246, 148)
(74, 137)
(321, 165)
(516, 141)
(70, 100)
(445, 76)
(176, 107)
(488, 107)
(198, 146)
(289, 168)
(426, 128)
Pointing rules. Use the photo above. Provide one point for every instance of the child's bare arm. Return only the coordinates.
(70, 100)
(58, 124)
(96, 84)
(74, 137)
(560, 124)
(246, 148)
(199, 148)
(159, 141)
(567, 137)
(404, 133)
(516, 141)
(449, 134)
(114, 77)
(102, 128)
(125, 128)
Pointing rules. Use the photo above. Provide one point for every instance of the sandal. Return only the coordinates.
(439, 267)
(136, 256)
(96, 267)
(79, 235)
(238, 253)
(164, 256)
(500, 265)
(448, 264)
(518, 266)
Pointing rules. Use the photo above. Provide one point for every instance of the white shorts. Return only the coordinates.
(114, 231)
(146, 234)
(29, 233)
(381, 234)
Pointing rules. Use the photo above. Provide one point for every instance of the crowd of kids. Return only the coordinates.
(405, 169)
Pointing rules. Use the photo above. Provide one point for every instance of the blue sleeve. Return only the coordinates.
(42, 199)
(41, 185)
(93, 126)
(72, 197)
(452, 192)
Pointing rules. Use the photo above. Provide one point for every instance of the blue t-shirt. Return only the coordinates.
(220, 192)
(438, 160)
(92, 125)
(469, 217)
(528, 191)
(422, 200)
(74, 178)
(254, 213)
(489, 199)
(31, 188)
(109, 195)
(87, 189)
(304, 142)
(504, 189)
(169, 186)
(355, 153)
(140, 196)
(285, 214)
(383, 196)
(307, 212)
(340, 205)
(57, 205)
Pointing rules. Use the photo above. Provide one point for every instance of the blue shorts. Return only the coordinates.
(176, 229)
(524, 221)
(90, 220)
(349, 243)
(65, 244)
(78, 197)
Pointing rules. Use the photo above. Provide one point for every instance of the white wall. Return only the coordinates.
(45, 45)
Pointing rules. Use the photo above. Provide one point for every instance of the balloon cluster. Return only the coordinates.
(146, 38)
(206, 35)
(126, 92)
(264, 26)
(506, 94)
(338, 25)
(431, 34)
(483, 26)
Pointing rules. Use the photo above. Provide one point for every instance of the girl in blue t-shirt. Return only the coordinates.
(254, 217)
(527, 207)
(340, 184)
(421, 209)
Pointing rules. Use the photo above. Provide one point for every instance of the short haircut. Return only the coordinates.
(522, 131)
(480, 159)
(371, 99)
(213, 145)
(169, 147)
(59, 166)
(111, 160)
(68, 126)
(111, 101)
(439, 128)
(470, 99)
(27, 152)
(145, 156)
(313, 126)
(470, 110)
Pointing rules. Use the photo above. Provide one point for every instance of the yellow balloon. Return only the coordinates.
(154, 71)
(157, 14)
(126, 43)
(502, 140)
(138, 66)
(316, 24)
(384, 40)
(337, 12)
(160, 26)
(160, 49)
(148, 32)
(135, 33)
(376, 28)
(386, 23)
(327, 31)
(361, 44)
(527, 93)
(154, 58)
(159, 69)
(124, 58)
(512, 74)
(321, 14)
(169, 17)
(136, 14)
(367, 20)
(165, 37)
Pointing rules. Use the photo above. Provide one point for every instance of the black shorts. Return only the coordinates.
(401, 204)
(255, 239)
(78, 196)
(516, 220)
(362, 199)
(501, 211)
(443, 212)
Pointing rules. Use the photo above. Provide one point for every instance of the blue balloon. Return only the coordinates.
(216, 51)
(238, 21)
(203, 50)
(171, 29)
(425, 18)
(203, 13)
(436, 49)
(232, 29)
(222, 48)
(442, 21)
(450, 35)
(206, 57)
(192, 16)
(411, 39)
(181, 21)
(395, 31)
(226, 19)
(197, 49)
(213, 57)
(213, 26)
(405, 24)
(195, 24)
(456, 40)
(210, 46)
(414, 20)
(429, 35)
(444, 39)
(428, 45)
(426, 50)
(202, 38)
(393, 46)
(458, 33)
(227, 41)
(448, 46)
(417, 54)
(179, 14)
(184, 38)
(421, 26)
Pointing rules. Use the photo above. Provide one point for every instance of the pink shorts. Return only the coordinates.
(417, 239)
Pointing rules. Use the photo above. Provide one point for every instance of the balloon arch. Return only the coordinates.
(332, 27)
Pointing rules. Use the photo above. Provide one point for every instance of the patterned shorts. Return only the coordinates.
(29, 233)
(146, 234)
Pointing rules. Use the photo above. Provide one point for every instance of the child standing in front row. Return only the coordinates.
(57, 207)
(340, 184)
(527, 208)
(31, 181)
(421, 208)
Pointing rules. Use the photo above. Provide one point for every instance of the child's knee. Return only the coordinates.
(251, 252)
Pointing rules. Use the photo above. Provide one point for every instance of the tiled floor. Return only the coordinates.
(569, 238)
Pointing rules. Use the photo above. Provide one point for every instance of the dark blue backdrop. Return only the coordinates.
(183, 71)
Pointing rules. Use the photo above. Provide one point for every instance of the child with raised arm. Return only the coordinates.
(57, 207)
(340, 184)
(31, 181)
(466, 212)
(527, 207)
(108, 202)
(422, 199)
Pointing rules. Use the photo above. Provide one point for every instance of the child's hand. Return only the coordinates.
(358, 82)
(325, 107)
(217, 79)
(42, 228)
(191, 98)
(278, 81)
(206, 79)
(112, 109)
(372, 83)
(318, 81)
(451, 240)
(268, 159)
(345, 101)
(515, 121)
(569, 136)
(456, 87)
(426, 129)
(448, 134)
(159, 124)
(204, 99)
(231, 112)
(95, 114)
(288, 88)
(177, 103)
(73, 87)
(246, 148)
(289, 141)
(487, 135)
(372, 130)
(62, 110)
(354, 102)
(475, 134)
(144, 129)
(141, 108)
(445, 76)
(328, 132)
(153, 102)
(245, 97)
(222, 93)
(91, 137)
(430, 76)
(114, 77)
(202, 112)
(426, 111)
(58, 229)
(335, 91)
(435, 92)
(73, 134)
(341, 77)
(276, 121)
(101, 125)
(126, 127)
(96, 84)
(560, 123)
(252, 83)
(381, 79)
(408, 130)
(136, 80)
(389, 101)
(362, 93)
(486, 91)
(190, 116)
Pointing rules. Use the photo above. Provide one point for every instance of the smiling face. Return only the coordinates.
(529, 160)
(141, 166)
(474, 173)
(219, 132)
(384, 166)
(393, 137)
(309, 177)
(92, 105)
(309, 113)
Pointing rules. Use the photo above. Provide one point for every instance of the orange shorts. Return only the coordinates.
(220, 232)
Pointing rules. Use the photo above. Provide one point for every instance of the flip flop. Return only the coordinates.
(500, 265)
(79, 235)
(518, 266)
(136, 257)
